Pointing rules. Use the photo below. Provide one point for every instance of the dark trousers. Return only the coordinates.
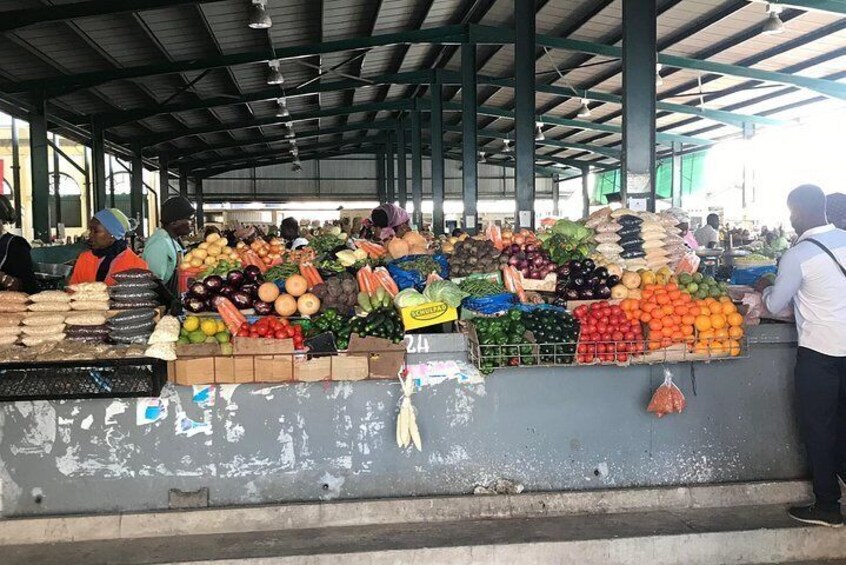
(821, 405)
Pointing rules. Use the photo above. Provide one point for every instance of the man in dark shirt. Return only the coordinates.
(16, 272)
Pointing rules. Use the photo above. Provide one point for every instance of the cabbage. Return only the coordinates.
(409, 297)
(445, 291)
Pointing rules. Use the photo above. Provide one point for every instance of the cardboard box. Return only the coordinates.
(385, 358)
(350, 368)
(428, 314)
(194, 371)
(224, 370)
(547, 284)
(273, 368)
(198, 350)
(312, 370)
(244, 369)
(261, 346)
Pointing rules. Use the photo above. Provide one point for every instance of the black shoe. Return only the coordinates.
(813, 515)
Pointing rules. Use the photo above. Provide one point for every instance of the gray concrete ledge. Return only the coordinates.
(392, 511)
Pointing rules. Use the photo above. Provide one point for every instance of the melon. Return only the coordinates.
(285, 305)
(296, 285)
(308, 304)
(397, 248)
(268, 292)
(414, 239)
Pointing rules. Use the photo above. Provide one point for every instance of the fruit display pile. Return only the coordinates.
(475, 256)
(382, 322)
(271, 327)
(700, 286)
(241, 287)
(583, 280)
(209, 330)
(332, 321)
(556, 333)
(608, 334)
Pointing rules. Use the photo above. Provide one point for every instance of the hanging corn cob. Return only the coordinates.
(407, 431)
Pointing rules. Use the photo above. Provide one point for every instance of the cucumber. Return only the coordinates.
(364, 302)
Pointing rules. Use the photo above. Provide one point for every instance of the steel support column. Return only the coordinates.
(98, 167)
(556, 194)
(16, 173)
(40, 172)
(164, 181)
(183, 182)
(89, 195)
(437, 132)
(57, 177)
(390, 179)
(748, 170)
(470, 138)
(402, 176)
(111, 164)
(639, 67)
(417, 168)
(677, 175)
(524, 112)
(136, 190)
(381, 189)
(585, 192)
(198, 203)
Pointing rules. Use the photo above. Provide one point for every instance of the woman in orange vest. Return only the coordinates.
(109, 252)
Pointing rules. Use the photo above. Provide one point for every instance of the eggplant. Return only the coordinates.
(195, 305)
(601, 272)
(252, 273)
(241, 300)
(250, 289)
(602, 282)
(591, 281)
(198, 290)
(578, 283)
(263, 308)
(575, 266)
(235, 279)
(226, 290)
(213, 284)
(612, 281)
(564, 271)
(571, 294)
(588, 265)
(586, 294)
(603, 292)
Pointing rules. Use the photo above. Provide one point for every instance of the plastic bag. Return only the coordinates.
(688, 264)
(667, 398)
(606, 237)
(489, 305)
(494, 234)
(413, 279)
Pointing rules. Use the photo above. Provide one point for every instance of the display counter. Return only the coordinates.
(550, 429)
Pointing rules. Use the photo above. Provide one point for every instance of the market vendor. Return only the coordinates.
(16, 271)
(290, 232)
(109, 253)
(708, 236)
(835, 209)
(812, 278)
(683, 224)
(163, 251)
(389, 220)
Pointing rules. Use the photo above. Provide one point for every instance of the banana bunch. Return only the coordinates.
(407, 431)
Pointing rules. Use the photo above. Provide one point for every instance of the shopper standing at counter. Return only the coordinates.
(390, 221)
(290, 232)
(812, 277)
(163, 251)
(16, 271)
(109, 252)
(708, 236)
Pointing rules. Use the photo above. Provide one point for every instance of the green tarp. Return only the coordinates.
(693, 178)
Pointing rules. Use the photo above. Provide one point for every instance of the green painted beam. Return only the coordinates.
(16, 19)
(830, 6)
(64, 84)
(486, 132)
(827, 87)
(663, 138)
(153, 140)
(112, 119)
(356, 126)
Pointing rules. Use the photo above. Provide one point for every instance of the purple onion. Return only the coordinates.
(515, 248)
(513, 261)
(531, 248)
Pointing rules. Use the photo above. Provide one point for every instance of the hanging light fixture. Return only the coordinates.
(274, 76)
(482, 156)
(259, 18)
(506, 146)
(282, 110)
(659, 80)
(539, 136)
(294, 151)
(773, 25)
(584, 109)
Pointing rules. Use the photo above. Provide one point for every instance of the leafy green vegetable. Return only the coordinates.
(445, 291)
(424, 265)
(281, 272)
(480, 287)
(409, 297)
(567, 240)
(325, 242)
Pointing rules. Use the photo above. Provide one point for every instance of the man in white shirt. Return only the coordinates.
(812, 277)
(708, 236)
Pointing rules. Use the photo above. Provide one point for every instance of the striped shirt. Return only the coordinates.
(814, 284)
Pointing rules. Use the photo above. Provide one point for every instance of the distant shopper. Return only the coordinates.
(812, 277)
(835, 209)
(163, 251)
(389, 220)
(708, 236)
(683, 224)
(16, 271)
(290, 232)
(109, 252)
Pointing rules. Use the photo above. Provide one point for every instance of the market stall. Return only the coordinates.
(558, 351)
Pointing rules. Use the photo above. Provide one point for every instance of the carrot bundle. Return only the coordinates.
(385, 280)
(373, 250)
(311, 275)
(231, 316)
(513, 283)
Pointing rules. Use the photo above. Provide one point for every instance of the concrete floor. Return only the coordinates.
(739, 535)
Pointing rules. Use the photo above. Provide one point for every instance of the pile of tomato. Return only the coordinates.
(272, 327)
(607, 335)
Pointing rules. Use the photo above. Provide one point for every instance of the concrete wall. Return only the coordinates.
(551, 429)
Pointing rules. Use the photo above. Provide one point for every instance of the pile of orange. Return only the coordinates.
(719, 327)
(669, 313)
